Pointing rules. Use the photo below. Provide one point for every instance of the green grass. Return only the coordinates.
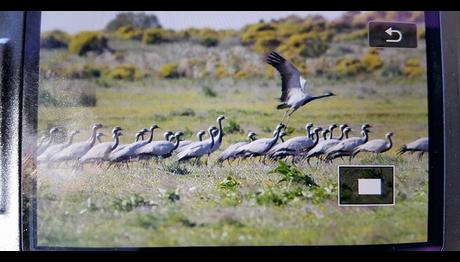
(220, 206)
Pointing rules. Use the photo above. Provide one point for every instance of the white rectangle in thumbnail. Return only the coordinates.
(369, 186)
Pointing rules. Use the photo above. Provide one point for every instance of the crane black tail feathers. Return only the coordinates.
(282, 106)
(402, 150)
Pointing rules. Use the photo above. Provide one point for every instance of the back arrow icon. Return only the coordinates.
(390, 32)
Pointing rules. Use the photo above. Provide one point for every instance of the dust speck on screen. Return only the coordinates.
(232, 129)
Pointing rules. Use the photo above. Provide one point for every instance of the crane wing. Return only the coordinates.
(290, 76)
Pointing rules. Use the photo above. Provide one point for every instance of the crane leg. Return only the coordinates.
(285, 115)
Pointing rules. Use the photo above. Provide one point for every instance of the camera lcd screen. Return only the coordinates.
(167, 129)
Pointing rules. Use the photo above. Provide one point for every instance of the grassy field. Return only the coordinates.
(167, 205)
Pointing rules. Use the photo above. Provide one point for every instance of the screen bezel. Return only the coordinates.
(435, 222)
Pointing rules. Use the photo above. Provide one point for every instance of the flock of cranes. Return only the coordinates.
(317, 143)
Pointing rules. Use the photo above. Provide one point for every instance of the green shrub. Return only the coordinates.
(176, 168)
(87, 99)
(266, 43)
(278, 198)
(241, 74)
(232, 127)
(85, 42)
(412, 68)
(184, 112)
(293, 174)
(129, 33)
(207, 37)
(157, 36)
(170, 71)
(251, 33)
(229, 184)
(320, 194)
(54, 39)
(270, 197)
(86, 71)
(208, 91)
(125, 72)
(372, 60)
(311, 44)
(348, 67)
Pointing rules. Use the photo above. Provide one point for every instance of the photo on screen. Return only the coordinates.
(165, 129)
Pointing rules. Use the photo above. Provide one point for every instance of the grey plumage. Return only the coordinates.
(100, 152)
(159, 148)
(346, 147)
(294, 88)
(261, 146)
(128, 152)
(232, 150)
(198, 149)
(376, 146)
(77, 150)
(54, 149)
(420, 145)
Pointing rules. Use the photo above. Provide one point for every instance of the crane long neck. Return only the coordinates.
(219, 138)
(92, 139)
(319, 97)
(331, 133)
(116, 142)
(177, 142)
(151, 135)
(366, 136)
(275, 139)
(316, 139)
(212, 139)
(325, 135)
(390, 143)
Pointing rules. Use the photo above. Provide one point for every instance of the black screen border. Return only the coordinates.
(28, 219)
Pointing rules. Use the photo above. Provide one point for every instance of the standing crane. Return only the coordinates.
(76, 150)
(54, 149)
(420, 145)
(376, 146)
(101, 152)
(230, 153)
(198, 149)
